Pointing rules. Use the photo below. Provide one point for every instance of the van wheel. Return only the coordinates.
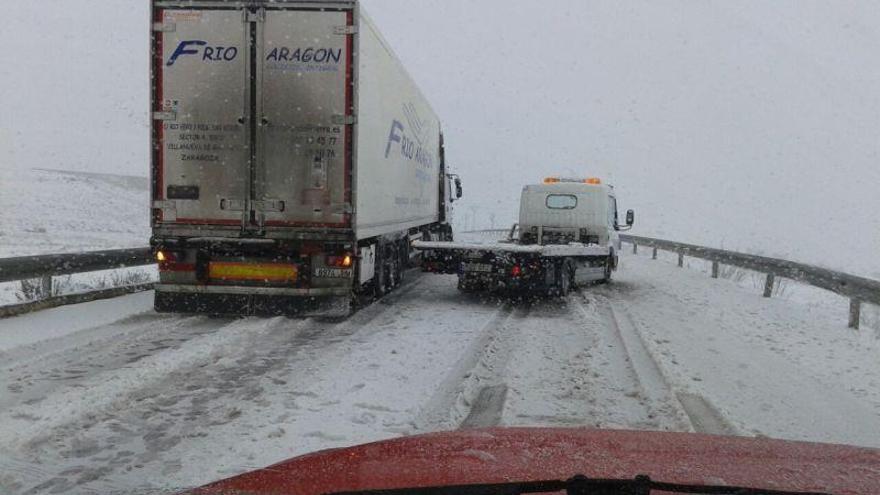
(563, 275)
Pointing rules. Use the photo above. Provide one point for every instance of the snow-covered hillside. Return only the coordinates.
(46, 211)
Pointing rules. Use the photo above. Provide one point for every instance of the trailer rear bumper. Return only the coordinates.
(264, 301)
(253, 291)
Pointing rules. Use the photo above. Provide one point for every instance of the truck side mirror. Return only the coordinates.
(630, 218)
(458, 190)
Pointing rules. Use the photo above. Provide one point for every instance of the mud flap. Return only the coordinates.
(256, 305)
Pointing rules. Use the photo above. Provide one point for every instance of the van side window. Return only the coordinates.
(612, 212)
(562, 201)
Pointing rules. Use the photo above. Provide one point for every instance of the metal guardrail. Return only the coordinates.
(45, 267)
(859, 290)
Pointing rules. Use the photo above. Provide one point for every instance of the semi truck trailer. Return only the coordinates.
(294, 160)
(567, 235)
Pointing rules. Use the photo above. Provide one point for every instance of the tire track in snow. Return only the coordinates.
(37, 371)
(487, 407)
(451, 405)
(484, 392)
(44, 369)
(704, 417)
(688, 408)
(640, 394)
(111, 389)
(131, 414)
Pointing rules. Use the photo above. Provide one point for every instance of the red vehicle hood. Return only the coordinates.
(527, 454)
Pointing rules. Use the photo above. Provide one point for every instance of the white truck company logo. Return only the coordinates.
(411, 138)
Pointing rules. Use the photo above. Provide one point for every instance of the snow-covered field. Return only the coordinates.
(109, 397)
(46, 211)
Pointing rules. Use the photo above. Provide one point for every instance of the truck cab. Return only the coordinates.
(563, 211)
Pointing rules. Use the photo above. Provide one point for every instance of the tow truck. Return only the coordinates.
(567, 235)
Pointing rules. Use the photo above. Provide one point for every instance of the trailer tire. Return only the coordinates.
(380, 280)
(395, 268)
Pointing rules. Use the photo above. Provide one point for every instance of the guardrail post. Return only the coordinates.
(635, 248)
(715, 269)
(654, 254)
(681, 260)
(45, 287)
(768, 285)
(855, 312)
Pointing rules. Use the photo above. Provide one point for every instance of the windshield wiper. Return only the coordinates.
(580, 485)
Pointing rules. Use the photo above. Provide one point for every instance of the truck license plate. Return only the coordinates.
(332, 273)
(478, 267)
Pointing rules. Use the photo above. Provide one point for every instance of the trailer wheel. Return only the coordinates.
(395, 267)
(380, 280)
(394, 274)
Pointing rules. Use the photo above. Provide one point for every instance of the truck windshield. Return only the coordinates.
(562, 201)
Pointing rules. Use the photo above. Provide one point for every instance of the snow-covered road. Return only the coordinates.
(138, 401)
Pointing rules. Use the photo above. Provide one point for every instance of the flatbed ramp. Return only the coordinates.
(555, 250)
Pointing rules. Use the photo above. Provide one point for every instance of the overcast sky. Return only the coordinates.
(753, 125)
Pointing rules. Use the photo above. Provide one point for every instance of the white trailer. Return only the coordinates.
(293, 157)
(567, 235)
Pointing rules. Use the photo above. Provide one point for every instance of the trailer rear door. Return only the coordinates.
(201, 147)
(252, 123)
(303, 152)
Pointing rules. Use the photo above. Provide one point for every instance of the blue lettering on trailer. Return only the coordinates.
(393, 137)
(409, 148)
(209, 54)
(306, 55)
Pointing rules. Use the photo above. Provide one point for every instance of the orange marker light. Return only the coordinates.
(551, 180)
(592, 180)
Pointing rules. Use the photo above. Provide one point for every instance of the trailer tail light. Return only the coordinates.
(343, 261)
(516, 271)
(166, 259)
(171, 262)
